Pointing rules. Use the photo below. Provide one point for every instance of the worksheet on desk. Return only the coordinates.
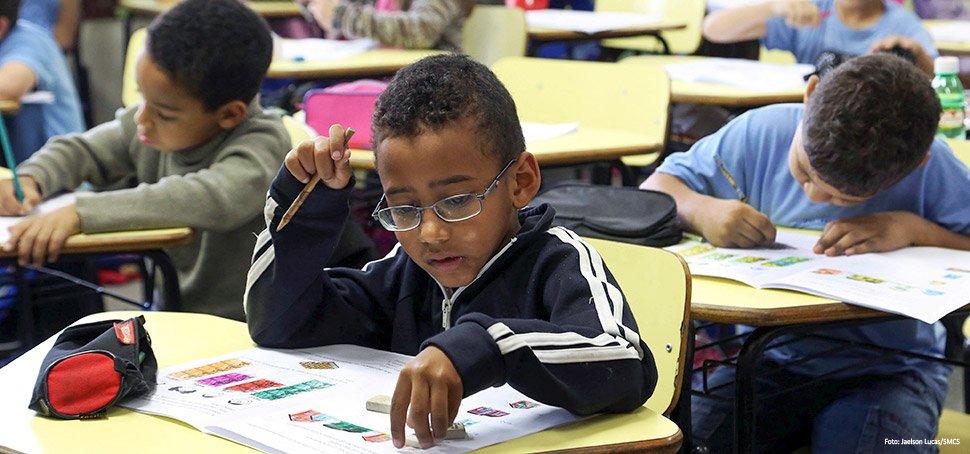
(313, 400)
(46, 207)
(921, 282)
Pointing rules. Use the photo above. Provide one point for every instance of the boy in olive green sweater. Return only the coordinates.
(197, 152)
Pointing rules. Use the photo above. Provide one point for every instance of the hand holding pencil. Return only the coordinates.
(324, 159)
(11, 204)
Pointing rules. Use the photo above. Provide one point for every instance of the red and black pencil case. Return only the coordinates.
(92, 367)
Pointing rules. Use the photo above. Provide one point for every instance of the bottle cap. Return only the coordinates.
(946, 65)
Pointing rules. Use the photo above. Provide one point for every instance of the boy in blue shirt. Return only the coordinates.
(858, 162)
(484, 290)
(807, 28)
(30, 60)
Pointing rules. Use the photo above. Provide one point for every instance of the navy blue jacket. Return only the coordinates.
(545, 315)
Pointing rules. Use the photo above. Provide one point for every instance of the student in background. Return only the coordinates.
(869, 175)
(61, 17)
(196, 152)
(30, 60)
(483, 289)
(809, 28)
(411, 24)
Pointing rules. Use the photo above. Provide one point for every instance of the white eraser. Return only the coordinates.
(456, 431)
(380, 404)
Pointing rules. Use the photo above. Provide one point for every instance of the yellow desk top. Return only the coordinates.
(173, 339)
(583, 146)
(375, 62)
(281, 8)
(961, 148)
(949, 47)
(9, 106)
(127, 241)
(716, 94)
(550, 34)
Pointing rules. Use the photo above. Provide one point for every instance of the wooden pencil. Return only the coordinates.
(298, 202)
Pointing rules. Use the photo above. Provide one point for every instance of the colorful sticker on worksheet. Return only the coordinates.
(750, 259)
(224, 379)
(376, 438)
(952, 276)
(828, 271)
(959, 270)
(718, 256)
(255, 385)
(861, 278)
(787, 261)
(292, 390)
(486, 411)
(468, 422)
(523, 404)
(319, 365)
(347, 427)
(208, 369)
(309, 416)
(931, 292)
(696, 250)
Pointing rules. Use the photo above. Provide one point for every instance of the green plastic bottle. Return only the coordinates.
(950, 91)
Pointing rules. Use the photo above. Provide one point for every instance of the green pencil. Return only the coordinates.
(8, 155)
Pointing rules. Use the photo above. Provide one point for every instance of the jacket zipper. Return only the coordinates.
(449, 300)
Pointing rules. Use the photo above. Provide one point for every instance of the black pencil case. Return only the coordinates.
(92, 367)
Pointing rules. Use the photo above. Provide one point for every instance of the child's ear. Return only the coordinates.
(810, 88)
(526, 180)
(231, 114)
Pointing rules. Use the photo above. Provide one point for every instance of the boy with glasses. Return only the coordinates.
(482, 289)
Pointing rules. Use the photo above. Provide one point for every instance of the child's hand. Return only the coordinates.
(43, 236)
(429, 386)
(731, 223)
(797, 13)
(9, 206)
(322, 156)
(923, 60)
(872, 233)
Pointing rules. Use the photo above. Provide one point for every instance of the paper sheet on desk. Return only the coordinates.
(316, 49)
(535, 132)
(924, 283)
(46, 207)
(313, 400)
(951, 32)
(747, 74)
(587, 21)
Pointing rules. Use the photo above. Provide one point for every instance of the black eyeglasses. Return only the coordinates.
(456, 208)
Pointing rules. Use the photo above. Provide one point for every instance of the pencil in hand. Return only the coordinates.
(298, 202)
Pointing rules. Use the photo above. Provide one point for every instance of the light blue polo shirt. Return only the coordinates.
(40, 12)
(34, 46)
(807, 43)
(754, 149)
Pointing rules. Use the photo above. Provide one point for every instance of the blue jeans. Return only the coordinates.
(853, 415)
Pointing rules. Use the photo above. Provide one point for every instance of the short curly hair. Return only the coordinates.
(441, 90)
(219, 50)
(869, 123)
(11, 10)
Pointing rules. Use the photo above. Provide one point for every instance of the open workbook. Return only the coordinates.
(314, 400)
(925, 283)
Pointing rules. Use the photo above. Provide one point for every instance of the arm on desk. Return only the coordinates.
(419, 27)
(16, 79)
(723, 222)
(887, 231)
(750, 22)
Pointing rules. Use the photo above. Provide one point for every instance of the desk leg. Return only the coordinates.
(26, 330)
(170, 283)
(745, 405)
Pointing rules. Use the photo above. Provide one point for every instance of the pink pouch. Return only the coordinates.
(527, 4)
(349, 104)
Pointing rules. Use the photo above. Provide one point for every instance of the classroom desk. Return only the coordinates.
(374, 62)
(174, 343)
(949, 47)
(281, 8)
(716, 94)
(586, 145)
(9, 106)
(551, 34)
(961, 148)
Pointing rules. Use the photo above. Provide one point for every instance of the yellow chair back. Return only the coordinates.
(297, 130)
(683, 41)
(130, 94)
(657, 285)
(494, 31)
(777, 56)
